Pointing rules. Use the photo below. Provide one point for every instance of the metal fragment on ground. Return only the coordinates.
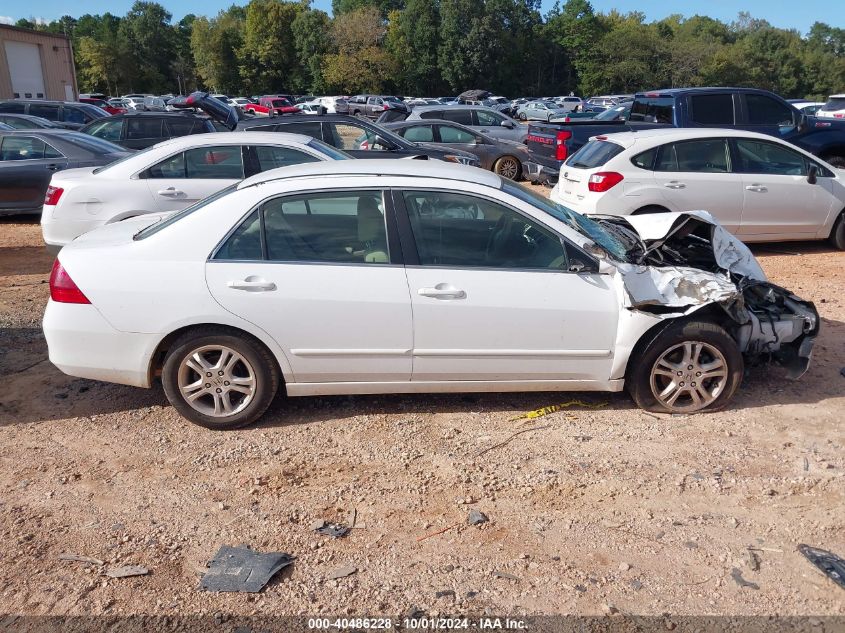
(476, 517)
(127, 571)
(80, 559)
(240, 569)
(830, 564)
(333, 530)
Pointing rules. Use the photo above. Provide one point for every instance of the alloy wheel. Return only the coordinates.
(689, 376)
(216, 381)
(507, 168)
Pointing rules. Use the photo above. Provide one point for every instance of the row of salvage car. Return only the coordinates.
(323, 275)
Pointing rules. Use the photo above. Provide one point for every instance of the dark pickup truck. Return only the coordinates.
(550, 144)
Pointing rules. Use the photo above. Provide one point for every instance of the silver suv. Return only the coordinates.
(481, 119)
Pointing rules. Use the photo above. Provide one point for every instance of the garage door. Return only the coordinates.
(25, 69)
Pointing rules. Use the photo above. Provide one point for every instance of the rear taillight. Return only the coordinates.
(62, 287)
(385, 107)
(561, 151)
(52, 195)
(601, 181)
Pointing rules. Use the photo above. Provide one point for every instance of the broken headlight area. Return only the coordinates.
(679, 262)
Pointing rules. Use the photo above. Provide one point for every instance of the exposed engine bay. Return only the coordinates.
(680, 262)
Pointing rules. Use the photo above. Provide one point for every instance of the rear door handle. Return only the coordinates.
(251, 284)
(755, 187)
(674, 184)
(54, 167)
(170, 192)
(442, 291)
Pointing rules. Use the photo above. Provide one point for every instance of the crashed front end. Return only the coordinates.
(682, 262)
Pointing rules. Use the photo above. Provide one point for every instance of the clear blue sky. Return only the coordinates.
(781, 13)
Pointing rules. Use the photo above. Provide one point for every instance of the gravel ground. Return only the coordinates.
(599, 510)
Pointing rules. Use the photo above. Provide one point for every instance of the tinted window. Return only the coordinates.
(464, 117)
(49, 112)
(245, 241)
(760, 157)
(418, 134)
(107, 130)
(273, 157)
(432, 114)
(645, 160)
(22, 148)
(653, 109)
(705, 156)
(488, 118)
(454, 135)
(594, 154)
(713, 109)
(327, 227)
(19, 124)
(464, 231)
(180, 127)
(833, 104)
(72, 115)
(763, 110)
(310, 128)
(13, 106)
(224, 161)
(143, 127)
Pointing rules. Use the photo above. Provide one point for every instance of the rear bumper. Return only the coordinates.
(82, 343)
(537, 173)
(58, 233)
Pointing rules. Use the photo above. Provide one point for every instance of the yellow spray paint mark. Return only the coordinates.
(554, 408)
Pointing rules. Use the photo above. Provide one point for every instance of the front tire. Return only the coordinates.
(523, 116)
(508, 167)
(218, 379)
(837, 235)
(687, 367)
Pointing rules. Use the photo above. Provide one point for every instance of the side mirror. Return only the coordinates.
(812, 174)
(576, 266)
(378, 141)
(507, 124)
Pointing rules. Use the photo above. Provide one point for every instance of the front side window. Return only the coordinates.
(350, 136)
(761, 157)
(450, 134)
(25, 148)
(49, 112)
(713, 109)
(763, 110)
(488, 118)
(72, 115)
(702, 156)
(419, 134)
(653, 109)
(459, 230)
(272, 157)
(106, 130)
(308, 128)
(332, 227)
(180, 127)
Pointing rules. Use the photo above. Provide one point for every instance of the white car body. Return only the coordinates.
(92, 197)
(356, 328)
(329, 103)
(569, 103)
(834, 108)
(808, 107)
(754, 206)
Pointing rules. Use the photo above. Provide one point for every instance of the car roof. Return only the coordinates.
(674, 133)
(839, 96)
(229, 138)
(462, 106)
(379, 167)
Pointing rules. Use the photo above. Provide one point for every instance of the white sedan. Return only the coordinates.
(381, 276)
(758, 187)
(167, 177)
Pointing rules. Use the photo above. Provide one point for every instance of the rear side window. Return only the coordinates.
(72, 115)
(701, 156)
(418, 134)
(13, 107)
(455, 135)
(594, 154)
(712, 109)
(206, 163)
(308, 128)
(49, 112)
(144, 127)
(108, 130)
(763, 110)
(25, 148)
(645, 160)
(653, 109)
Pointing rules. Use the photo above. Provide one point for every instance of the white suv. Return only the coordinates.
(834, 108)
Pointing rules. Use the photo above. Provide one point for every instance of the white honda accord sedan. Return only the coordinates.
(167, 177)
(384, 276)
(758, 187)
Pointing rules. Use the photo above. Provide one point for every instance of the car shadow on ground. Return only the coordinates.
(38, 392)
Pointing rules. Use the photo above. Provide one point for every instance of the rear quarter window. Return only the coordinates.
(594, 154)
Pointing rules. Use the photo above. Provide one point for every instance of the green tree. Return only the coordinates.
(150, 44)
(361, 63)
(311, 37)
(215, 44)
(268, 58)
(412, 39)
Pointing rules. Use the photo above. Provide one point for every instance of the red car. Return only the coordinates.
(271, 105)
(100, 103)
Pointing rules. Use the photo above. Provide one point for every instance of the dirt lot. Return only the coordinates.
(600, 510)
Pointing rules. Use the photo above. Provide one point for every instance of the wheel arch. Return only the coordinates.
(160, 352)
(651, 208)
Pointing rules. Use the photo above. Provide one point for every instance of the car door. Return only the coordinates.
(456, 138)
(186, 177)
(317, 272)
(26, 165)
(493, 298)
(767, 115)
(778, 199)
(696, 175)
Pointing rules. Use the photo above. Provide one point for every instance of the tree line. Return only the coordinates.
(434, 47)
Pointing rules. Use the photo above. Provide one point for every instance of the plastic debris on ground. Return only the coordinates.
(241, 569)
(829, 563)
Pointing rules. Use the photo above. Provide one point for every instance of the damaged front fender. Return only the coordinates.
(681, 262)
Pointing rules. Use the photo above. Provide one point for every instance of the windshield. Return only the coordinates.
(328, 150)
(580, 223)
(178, 215)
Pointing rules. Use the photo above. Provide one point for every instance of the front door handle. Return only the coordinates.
(756, 187)
(53, 167)
(442, 291)
(674, 184)
(252, 284)
(170, 192)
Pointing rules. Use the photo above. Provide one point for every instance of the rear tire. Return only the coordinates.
(508, 167)
(837, 234)
(659, 377)
(218, 379)
(523, 116)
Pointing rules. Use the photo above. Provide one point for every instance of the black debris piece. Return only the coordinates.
(333, 530)
(742, 582)
(476, 517)
(829, 563)
(446, 593)
(240, 569)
